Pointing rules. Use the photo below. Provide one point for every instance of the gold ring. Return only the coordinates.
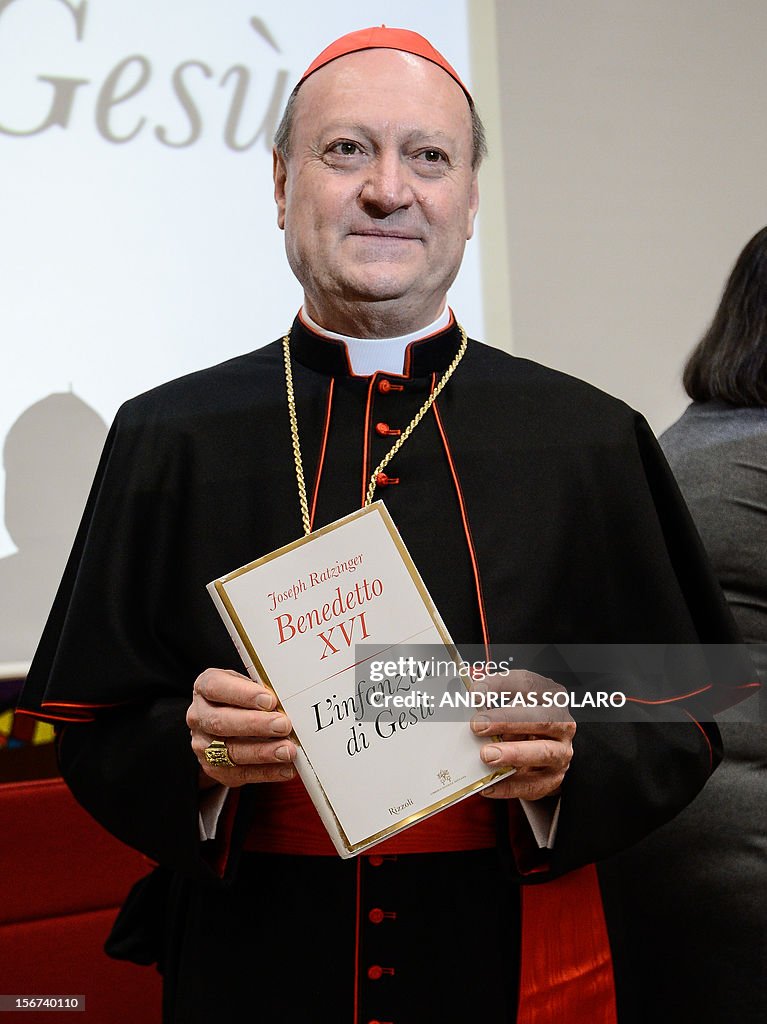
(217, 754)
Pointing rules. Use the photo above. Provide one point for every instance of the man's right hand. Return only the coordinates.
(232, 707)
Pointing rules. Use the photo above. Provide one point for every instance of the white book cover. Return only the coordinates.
(297, 617)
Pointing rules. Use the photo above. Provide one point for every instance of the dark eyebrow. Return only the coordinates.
(413, 135)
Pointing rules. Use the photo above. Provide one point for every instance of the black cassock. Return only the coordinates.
(525, 496)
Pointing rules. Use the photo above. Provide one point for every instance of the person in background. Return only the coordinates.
(707, 869)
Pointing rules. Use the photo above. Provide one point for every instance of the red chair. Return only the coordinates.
(62, 880)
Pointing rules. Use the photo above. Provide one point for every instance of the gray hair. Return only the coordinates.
(282, 136)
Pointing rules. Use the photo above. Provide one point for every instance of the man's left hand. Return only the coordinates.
(540, 751)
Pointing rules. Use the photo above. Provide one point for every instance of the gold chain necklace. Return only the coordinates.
(392, 451)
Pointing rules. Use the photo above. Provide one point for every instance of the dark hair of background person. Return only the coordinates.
(730, 360)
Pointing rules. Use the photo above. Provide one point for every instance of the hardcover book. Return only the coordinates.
(327, 622)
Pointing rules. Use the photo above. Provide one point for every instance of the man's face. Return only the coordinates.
(378, 196)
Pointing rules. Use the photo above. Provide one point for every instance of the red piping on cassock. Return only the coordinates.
(321, 460)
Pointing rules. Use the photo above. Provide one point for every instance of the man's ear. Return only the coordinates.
(473, 205)
(280, 175)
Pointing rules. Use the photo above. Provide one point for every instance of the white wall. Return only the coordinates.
(634, 149)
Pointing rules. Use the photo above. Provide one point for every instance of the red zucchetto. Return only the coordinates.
(381, 37)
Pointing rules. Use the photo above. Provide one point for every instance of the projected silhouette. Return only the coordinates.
(50, 456)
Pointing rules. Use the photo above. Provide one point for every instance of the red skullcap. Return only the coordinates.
(381, 37)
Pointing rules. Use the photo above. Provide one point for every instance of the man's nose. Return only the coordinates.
(386, 187)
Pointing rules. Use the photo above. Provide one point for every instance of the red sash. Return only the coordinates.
(286, 822)
(566, 969)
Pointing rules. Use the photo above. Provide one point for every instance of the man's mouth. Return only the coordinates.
(403, 236)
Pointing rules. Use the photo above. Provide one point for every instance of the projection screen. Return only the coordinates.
(139, 231)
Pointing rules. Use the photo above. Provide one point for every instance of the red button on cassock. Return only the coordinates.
(375, 972)
(385, 386)
(376, 859)
(376, 915)
(382, 480)
(384, 430)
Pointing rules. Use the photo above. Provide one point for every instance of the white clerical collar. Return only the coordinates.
(370, 355)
